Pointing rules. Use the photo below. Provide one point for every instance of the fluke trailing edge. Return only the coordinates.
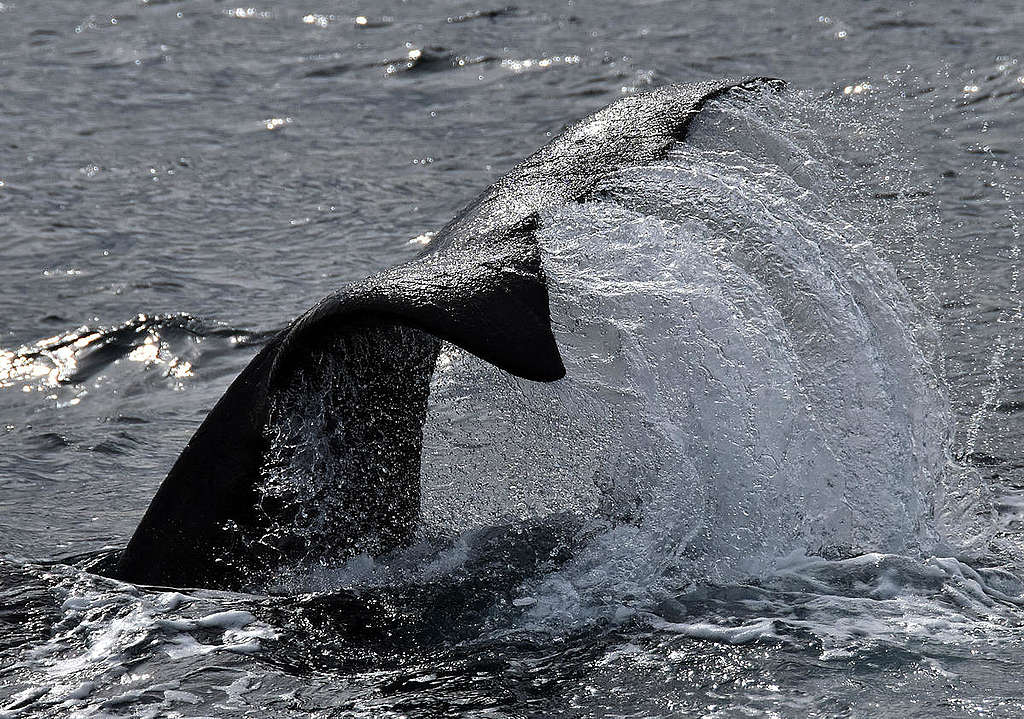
(479, 285)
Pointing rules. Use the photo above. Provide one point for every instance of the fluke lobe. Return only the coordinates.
(479, 285)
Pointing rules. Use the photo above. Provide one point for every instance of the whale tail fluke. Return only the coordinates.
(358, 365)
(492, 302)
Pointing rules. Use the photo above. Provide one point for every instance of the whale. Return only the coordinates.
(479, 284)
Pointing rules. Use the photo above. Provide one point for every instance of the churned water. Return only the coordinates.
(782, 477)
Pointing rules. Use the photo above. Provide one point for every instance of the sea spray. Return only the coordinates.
(747, 377)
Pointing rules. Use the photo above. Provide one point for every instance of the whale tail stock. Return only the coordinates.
(203, 525)
(480, 286)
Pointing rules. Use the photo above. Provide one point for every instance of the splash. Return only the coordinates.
(746, 376)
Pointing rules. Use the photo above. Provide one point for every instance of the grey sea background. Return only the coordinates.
(180, 179)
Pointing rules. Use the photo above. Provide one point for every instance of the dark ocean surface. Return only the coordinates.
(824, 365)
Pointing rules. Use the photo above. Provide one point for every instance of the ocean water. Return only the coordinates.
(783, 476)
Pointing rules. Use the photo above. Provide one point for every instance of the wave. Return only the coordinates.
(76, 356)
(509, 11)
(431, 59)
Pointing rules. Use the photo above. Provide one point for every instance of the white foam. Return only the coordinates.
(742, 634)
(83, 669)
